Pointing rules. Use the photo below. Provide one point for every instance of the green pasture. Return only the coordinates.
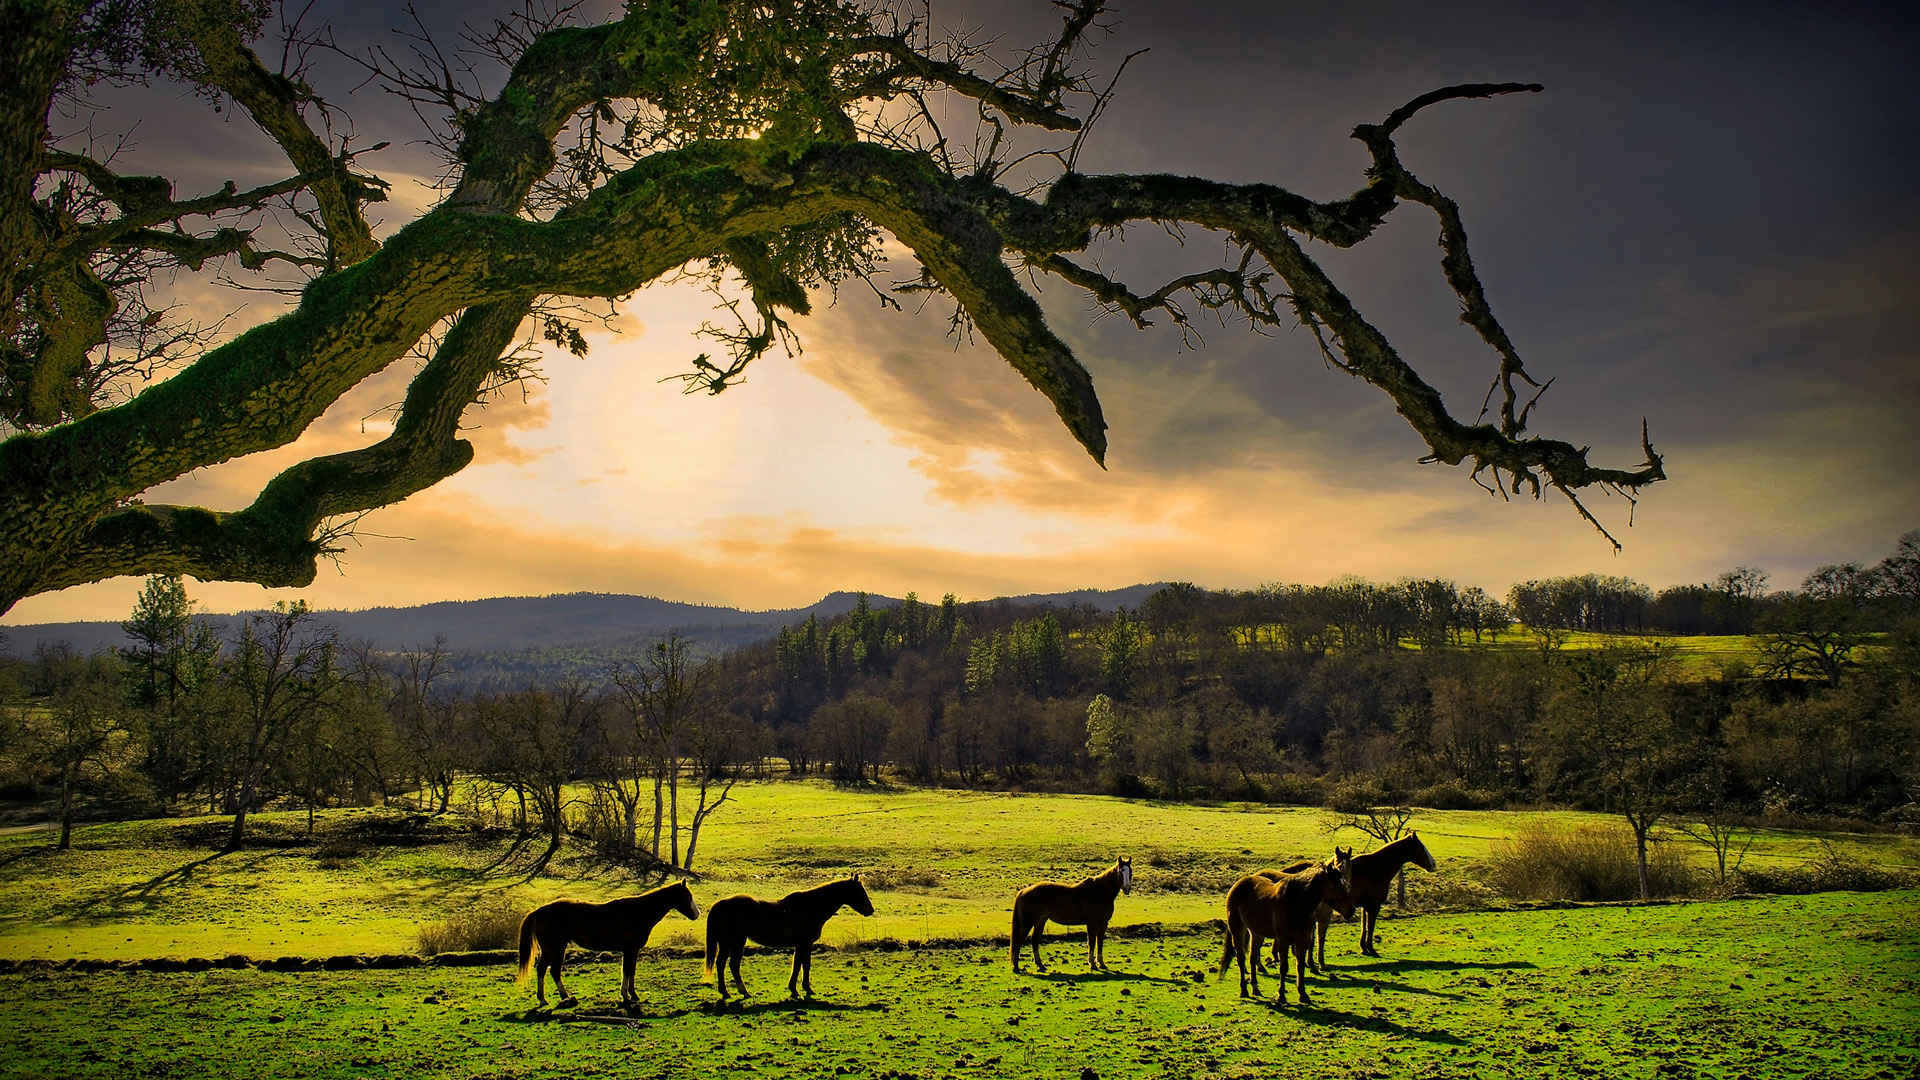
(1815, 986)
(941, 865)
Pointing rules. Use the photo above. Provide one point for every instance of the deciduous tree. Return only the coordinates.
(767, 145)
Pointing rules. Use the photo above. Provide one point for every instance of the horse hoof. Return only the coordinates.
(568, 1003)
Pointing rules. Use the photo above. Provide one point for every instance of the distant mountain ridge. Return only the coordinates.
(516, 624)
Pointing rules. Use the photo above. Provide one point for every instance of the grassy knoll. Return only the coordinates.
(941, 865)
(1776, 987)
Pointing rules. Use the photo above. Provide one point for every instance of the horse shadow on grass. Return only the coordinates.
(1334, 1018)
(1359, 981)
(617, 1015)
(1435, 965)
(787, 1005)
(1057, 976)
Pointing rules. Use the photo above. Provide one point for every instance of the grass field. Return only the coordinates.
(1819, 986)
(941, 865)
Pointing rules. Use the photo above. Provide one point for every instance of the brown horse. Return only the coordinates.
(1373, 872)
(1088, 904)
(1322, 915)
(1259, 907)
(792, 922)
(620, 925)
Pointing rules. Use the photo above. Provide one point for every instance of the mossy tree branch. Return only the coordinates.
(68, 495)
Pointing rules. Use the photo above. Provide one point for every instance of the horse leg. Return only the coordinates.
(1100, 945)
(738, 950)
(628, 995)
(1093, 935)
(1039, 930)
(793, 975)
(1300, 951)
(1320, 927)
(560, 958)
(806, 969)
(540, 978)
(1253, 942)
(1019, 938)
(1368, 914)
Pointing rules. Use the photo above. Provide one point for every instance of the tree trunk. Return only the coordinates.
(659, 809)
(1401, 880)
(673, 798)
(242, 804)
(1640, 853)
(66, 808)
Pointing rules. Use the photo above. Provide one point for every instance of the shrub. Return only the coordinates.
(1448, 892)
(1830, 871)
(1590, 863)
(491, 922)
(1355, 794)
(1296, 789)
(1454, 795)
(902, 877)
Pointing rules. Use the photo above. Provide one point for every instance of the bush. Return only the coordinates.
(1296, 789)
(902, 877)
(1591, 863)
(1454, 795)
(1830, 871)
(1355, 794)
(491, 922)
(1448, 892)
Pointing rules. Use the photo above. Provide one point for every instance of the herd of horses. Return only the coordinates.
(1290, 906)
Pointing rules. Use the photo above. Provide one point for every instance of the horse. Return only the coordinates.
(1373, 872)
(1322, 915)
(1260, 907)
(621, 925)
(1088, 904)
(794, 921)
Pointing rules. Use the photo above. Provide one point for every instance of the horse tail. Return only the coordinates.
(526, 946)
(1226, 954)
(1018, 932)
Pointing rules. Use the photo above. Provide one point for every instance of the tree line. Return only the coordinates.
(1350, 694)
(284, 712)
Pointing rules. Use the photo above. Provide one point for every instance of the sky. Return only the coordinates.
(1707, 220)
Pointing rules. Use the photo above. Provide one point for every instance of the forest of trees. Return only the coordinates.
(1351, 694)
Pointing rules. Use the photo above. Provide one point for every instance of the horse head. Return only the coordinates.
(1419, 855)
(683, 900)
(1338, 896)
(856, 897)
(1125, 866)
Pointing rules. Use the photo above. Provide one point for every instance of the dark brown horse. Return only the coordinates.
(1322, 915)
(792, 922)
(1260, 907)
(1088, 904)
(618, 925)
(1374, 872)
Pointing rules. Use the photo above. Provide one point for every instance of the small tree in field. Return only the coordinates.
(278, 679)
(1384, 824)
(1616, 714)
